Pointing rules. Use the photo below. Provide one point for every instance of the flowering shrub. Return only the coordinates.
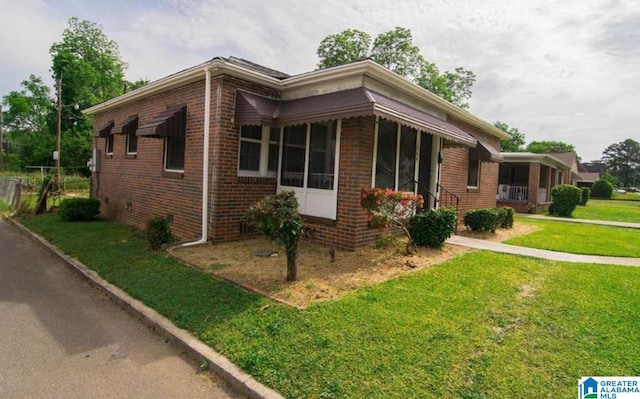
(388, 208)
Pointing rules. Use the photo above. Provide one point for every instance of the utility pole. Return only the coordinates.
(58, 132)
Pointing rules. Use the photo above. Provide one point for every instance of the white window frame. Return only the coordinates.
(477, 175)
(109, 138)
(416, 161)
(127, 144)
(265, 142)
(166, 145)
(317, 202)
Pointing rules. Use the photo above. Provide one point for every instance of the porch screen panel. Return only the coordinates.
(293, 156)
(386, 155)
(406, 171)
(322, 153)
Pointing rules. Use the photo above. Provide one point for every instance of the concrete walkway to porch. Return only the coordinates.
(628, 225)
(540, 253)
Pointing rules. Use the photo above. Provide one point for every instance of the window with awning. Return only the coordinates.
(171, 122)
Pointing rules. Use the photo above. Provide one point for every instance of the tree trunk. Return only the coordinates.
(292, 269)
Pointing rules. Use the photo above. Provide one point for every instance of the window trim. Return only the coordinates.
(164, 161)
(127, 141)
(108, 139)
(265, 142)
(479, 163)
(416, 159)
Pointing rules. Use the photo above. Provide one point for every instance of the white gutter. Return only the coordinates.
(205, 160)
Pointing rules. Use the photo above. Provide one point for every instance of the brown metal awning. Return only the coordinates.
(171, 122)
(128, 126)
(253, 109)
(104, 130)
(483, 151)
(343, 104)
(394, 110)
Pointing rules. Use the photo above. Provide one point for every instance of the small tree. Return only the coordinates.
(564, 200)
(586, 194)
(602, 189)
(277, 217)
(388, 208)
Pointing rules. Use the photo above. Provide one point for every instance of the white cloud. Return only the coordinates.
(566, 71)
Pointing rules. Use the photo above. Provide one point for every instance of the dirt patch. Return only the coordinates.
(319, 279)
(501, 234)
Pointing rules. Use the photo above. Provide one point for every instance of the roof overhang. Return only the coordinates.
(368, 68)
(529, 157)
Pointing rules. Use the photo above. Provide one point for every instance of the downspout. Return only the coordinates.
(205, 159)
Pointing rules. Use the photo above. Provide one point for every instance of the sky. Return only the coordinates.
(555, 70)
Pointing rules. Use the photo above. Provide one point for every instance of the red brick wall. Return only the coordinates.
(454, 169)
(134, 190)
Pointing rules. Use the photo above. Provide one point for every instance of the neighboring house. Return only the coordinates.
(202, 145)
(571, 159)
(525, 180)
(589, 173)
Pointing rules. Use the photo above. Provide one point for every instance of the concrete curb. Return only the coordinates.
(242, 382)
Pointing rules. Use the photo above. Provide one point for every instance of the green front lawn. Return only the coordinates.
(617, 210)
(580, 238)
(483, 325)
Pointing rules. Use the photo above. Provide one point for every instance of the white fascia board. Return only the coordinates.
(528, 157)
(182, 78)
(379, 73)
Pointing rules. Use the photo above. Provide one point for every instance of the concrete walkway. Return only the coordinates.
(541, 253)
(585, 221)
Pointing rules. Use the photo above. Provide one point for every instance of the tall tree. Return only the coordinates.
(623, 162)
(513, 144)
(347, 46)
(547, 147)
(395, 50)
(91, 69)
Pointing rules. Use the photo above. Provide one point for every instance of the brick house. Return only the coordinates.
(525, 179)
(201, 145)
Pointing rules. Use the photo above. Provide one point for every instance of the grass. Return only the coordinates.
(483, 325)
(618, 210)
(580, 238)
(4, 207)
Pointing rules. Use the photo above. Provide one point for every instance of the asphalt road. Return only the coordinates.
(61, 339)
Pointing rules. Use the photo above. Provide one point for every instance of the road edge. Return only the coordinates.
(242, 382)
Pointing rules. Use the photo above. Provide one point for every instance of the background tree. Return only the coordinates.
(342, 48)
(395, 50)
(28, 122)
(623, 160)
(517, 140)
(547, 147)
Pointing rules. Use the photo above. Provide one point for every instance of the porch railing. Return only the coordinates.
(447, 198)
(512, 193)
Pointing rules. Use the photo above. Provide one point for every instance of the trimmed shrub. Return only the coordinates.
(482, 219)
(506, 217)
(433, 227)
(586, 193)
(564, 200)
(158, 232)
(76, 209)
(602, 189)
